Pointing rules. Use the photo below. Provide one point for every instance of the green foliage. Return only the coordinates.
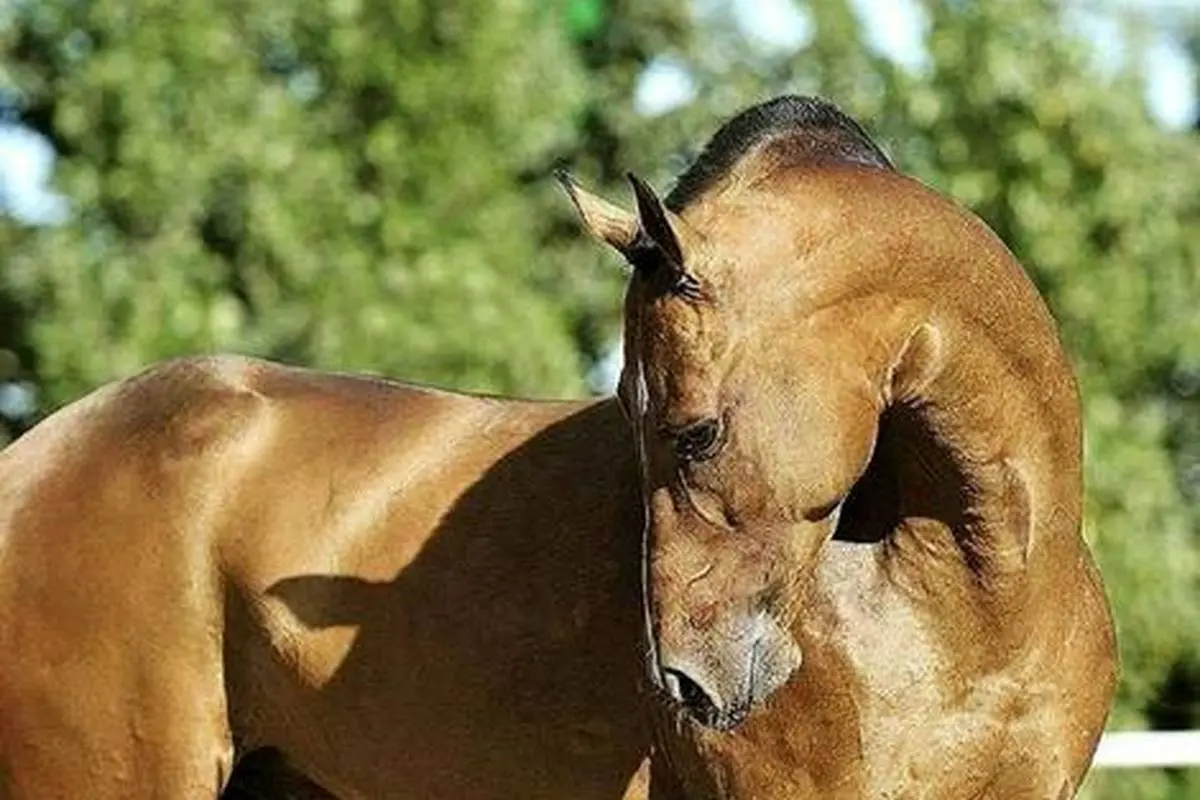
(364, 185)
(338, 184)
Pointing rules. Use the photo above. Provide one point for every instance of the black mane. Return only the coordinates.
(803, 129)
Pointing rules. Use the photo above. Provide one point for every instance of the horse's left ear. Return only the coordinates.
(656, 221)
(662, 243)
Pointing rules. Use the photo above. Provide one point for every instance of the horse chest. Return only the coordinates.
(933, 723)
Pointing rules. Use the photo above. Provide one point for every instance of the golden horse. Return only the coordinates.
(825, 544)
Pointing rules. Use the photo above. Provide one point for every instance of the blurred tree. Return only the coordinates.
(326, 183)
(17, 356)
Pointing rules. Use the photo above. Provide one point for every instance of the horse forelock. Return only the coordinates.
(792, 129)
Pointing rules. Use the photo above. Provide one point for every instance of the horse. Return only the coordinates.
(860, 452)
(224, 574)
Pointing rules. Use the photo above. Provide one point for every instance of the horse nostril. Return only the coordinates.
(688, 693)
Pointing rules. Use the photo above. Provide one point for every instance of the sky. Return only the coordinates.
(893, 26)
(26, 161)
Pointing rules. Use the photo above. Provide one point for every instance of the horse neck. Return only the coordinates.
(989, 452)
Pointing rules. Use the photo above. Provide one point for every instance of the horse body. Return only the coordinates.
(407, 593)
(842, 555)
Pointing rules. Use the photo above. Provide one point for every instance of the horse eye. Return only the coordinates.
(699, 441)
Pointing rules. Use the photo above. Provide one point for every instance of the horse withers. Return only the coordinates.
(860, 448)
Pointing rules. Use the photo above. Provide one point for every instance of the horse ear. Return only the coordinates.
(649, 240)
(655, 220)
(918, 363)
(607, 222)
(663, 240)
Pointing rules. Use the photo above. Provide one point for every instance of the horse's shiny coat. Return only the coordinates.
(860, 441)
(867, 580)
(407, 593)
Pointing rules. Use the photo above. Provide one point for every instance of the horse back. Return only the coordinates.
(397, 589)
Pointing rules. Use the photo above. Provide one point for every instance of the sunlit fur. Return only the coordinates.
(224, 572)
(877, 587)
(390, 591)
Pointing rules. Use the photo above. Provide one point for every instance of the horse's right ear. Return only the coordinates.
(608, 223)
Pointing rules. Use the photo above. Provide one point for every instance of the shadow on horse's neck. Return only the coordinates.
(956, 471)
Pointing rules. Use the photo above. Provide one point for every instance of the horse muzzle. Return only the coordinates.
(717, 679)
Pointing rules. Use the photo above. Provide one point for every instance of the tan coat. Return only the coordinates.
(836, 541)
(410, 593)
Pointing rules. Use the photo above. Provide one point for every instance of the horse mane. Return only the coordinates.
(796, 129)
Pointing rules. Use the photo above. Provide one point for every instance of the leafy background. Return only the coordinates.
(364, 185)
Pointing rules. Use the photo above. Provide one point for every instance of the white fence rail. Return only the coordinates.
(1148, 749)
